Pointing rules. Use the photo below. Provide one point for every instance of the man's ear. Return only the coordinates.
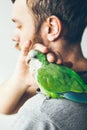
(54, 28)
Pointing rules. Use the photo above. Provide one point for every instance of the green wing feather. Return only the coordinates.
(57, 80)
(54, 79)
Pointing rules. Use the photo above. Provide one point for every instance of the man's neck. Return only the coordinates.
(72, 55)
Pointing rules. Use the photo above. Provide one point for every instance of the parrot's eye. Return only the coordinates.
(35, 56)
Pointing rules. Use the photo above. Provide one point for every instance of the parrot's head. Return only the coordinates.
(36, 59)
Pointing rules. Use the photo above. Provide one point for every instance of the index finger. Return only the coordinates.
(40, 47)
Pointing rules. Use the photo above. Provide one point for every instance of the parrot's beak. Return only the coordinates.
(31, 55)
(28, 61)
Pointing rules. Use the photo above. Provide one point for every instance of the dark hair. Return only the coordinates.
(72, 13)
(13, 1)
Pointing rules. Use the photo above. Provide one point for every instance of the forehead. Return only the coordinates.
(20, 10)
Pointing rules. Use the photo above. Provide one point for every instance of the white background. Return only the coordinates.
(8, 55)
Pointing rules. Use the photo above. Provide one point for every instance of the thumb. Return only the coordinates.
(54, 57)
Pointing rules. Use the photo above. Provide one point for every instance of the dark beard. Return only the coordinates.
(37, 38)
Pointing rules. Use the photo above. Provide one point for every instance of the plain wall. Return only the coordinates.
(8, 54)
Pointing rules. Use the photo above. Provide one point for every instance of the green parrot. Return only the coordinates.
(56, 81)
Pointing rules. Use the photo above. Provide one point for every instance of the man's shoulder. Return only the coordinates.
(43, 113)
(33, 116)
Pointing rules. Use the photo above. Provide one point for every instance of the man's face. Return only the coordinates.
(25, 27)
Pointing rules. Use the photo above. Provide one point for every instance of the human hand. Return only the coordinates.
(51, 56)
(21, 74)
